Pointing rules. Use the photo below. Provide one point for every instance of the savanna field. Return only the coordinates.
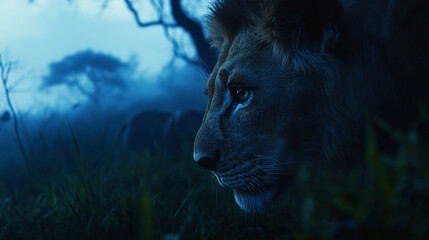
(76, 73)
(81, 188)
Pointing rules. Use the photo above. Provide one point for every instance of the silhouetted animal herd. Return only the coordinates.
(161, 131)
(155, 130)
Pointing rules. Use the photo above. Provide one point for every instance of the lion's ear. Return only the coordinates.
(330, 38)
(305, 23)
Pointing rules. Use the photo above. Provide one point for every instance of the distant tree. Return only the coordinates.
(6, 67)
(89, 72)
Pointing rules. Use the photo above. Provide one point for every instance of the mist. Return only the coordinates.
(151, 77)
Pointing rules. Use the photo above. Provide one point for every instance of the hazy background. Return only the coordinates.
(157, 67)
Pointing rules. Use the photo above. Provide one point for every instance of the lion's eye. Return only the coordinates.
(239, 94)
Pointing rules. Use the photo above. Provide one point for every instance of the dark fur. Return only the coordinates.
(292, 22)
(351, 60)
(383, 48)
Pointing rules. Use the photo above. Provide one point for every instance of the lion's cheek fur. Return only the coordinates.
(255, 202)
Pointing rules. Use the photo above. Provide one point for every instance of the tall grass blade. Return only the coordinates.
(147, 216)
(80, 162)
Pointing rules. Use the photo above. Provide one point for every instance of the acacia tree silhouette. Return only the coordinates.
(101, 71)
(6, 67)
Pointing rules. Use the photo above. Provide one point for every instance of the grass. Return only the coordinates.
(126, 195)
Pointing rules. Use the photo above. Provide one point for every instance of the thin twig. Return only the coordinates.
(6, 68)
(166, 26)
(140, 23)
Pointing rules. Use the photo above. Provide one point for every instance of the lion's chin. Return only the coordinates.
(255, 202)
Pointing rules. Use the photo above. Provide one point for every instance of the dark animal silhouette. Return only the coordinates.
(161, 131)
(5, 117)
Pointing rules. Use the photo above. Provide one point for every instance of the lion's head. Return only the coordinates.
(272, 94)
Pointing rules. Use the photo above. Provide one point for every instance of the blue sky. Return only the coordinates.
(47, 30)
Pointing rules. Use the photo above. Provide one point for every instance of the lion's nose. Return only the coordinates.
(208, 161)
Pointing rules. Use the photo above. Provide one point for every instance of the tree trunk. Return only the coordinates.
(205, 52)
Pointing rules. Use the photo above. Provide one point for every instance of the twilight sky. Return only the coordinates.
(47, 30)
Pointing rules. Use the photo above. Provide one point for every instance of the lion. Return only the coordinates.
(296, 81)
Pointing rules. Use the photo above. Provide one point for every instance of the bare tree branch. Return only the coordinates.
(140, 23)
(5, 69)
(177, 52)
(207, 57)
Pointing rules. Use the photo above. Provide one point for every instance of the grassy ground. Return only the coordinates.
(126, 195)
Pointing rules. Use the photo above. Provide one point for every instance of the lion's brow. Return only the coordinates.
(223, 76)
